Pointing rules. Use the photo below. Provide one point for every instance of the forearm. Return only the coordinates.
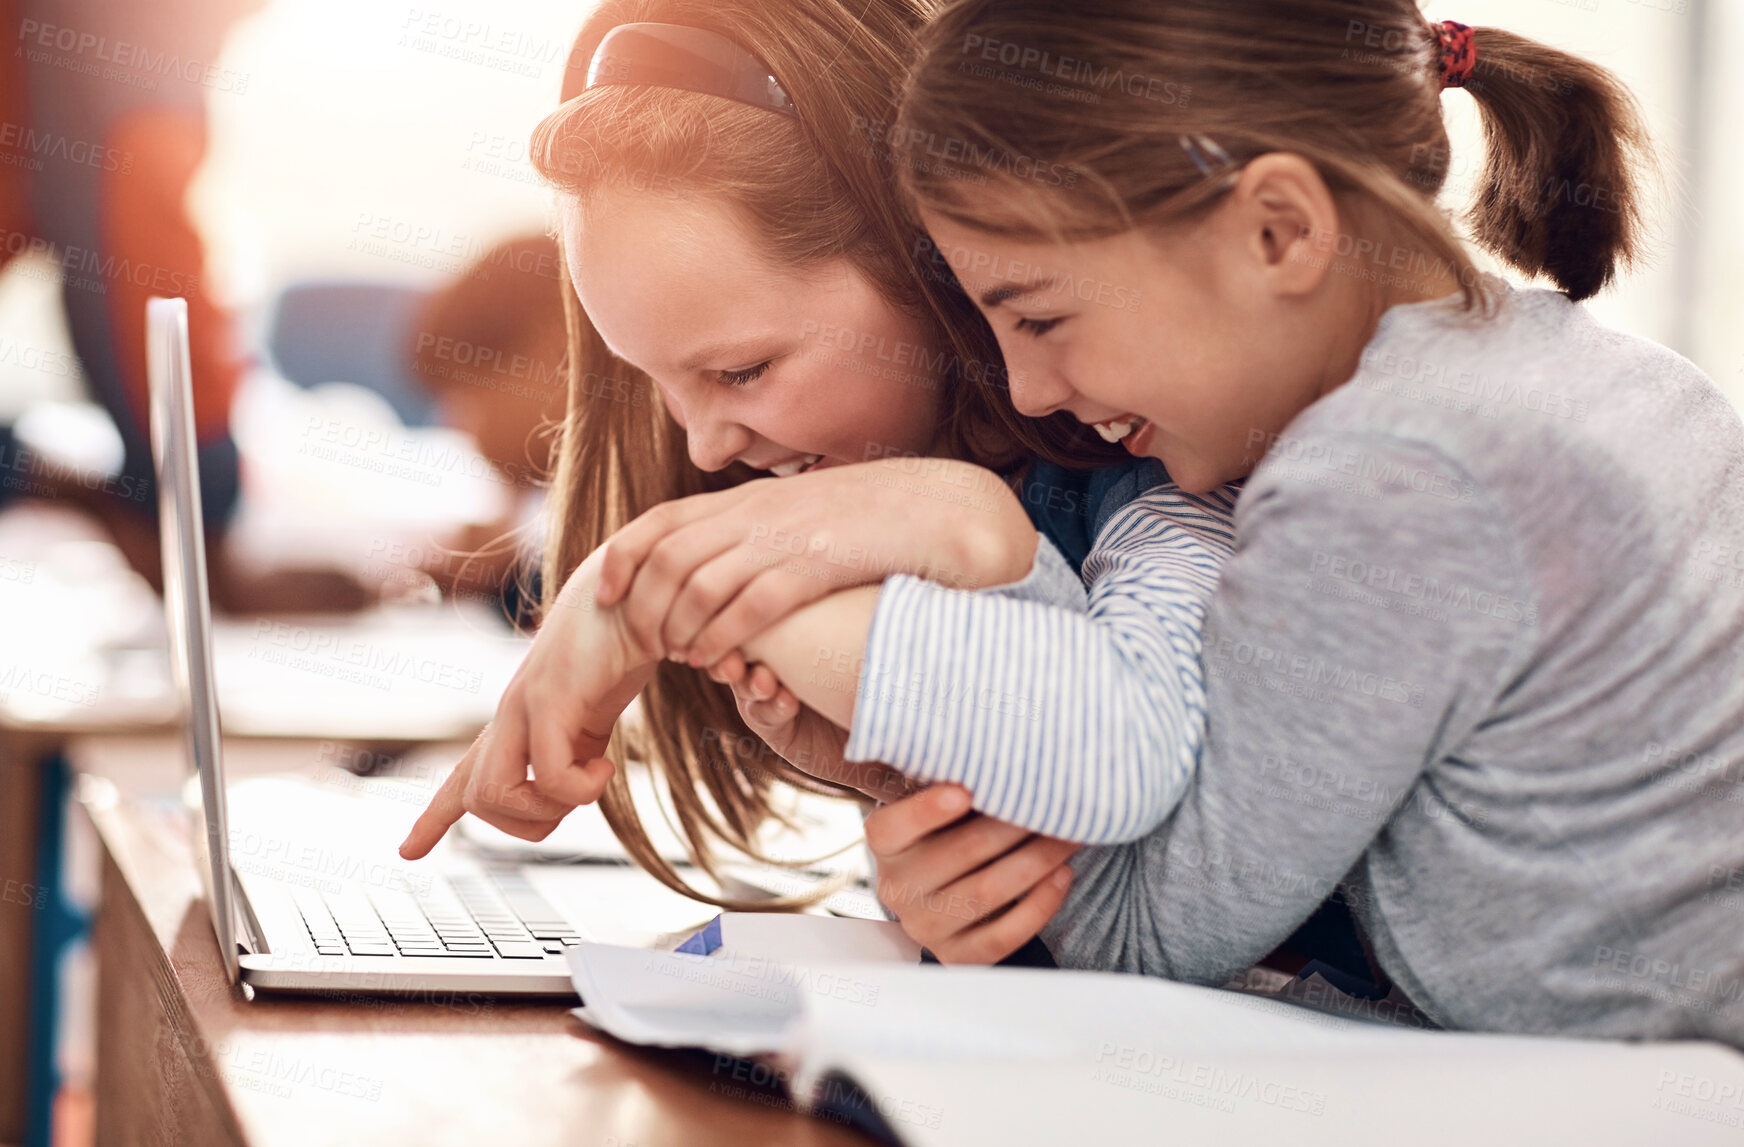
(983, 689)
(585, 622)
(1080, 725)
(966, 527)
(817, 651)
(970, 531)
(580, 587)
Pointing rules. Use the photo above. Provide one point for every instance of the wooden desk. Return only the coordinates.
(27, 753)
(30, 736)
(60, 594)
(28, 749)
(181, 1059)
(20, 798)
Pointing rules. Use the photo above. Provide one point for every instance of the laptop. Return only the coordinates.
(347, 927)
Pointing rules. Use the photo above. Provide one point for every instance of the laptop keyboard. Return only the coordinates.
(462, 917)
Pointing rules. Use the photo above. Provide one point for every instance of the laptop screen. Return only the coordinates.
(186, 605)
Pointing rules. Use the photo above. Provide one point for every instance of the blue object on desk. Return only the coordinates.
(705, 942)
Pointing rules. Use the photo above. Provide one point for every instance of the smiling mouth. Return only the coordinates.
(794, 466)
(1114, 429)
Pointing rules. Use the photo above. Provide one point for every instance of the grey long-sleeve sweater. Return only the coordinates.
(1479, 653)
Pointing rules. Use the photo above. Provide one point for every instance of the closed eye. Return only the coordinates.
(1038, 327)
(743, 377)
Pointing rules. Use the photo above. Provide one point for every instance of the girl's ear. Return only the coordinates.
(1289, 222)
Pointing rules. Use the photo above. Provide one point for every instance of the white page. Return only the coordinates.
(673, 999)
(1031, 1013)
(744, 998)
(997, 1056)
(1003, 1056)
(816, 939)
(1598, 1094)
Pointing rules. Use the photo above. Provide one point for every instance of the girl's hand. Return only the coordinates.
(699, 576)
(968, 888)
(520, 810)
(802, 737)
(556, 714)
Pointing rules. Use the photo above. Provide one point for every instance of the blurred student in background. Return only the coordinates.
(102, 127)
(490, 349)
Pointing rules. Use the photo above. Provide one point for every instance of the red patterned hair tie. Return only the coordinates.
(1458, 56)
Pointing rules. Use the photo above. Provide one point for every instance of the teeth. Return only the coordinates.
(1115, 431)
(789, 469)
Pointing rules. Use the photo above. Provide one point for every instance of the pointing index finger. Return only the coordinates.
(446, 807)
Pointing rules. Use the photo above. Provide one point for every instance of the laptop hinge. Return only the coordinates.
(250, 936)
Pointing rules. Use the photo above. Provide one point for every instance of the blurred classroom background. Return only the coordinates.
(385, 144)
(382, 146)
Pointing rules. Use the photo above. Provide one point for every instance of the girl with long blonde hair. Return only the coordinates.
(732, 229)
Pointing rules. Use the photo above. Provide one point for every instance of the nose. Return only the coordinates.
(1036, 389)
(714, 442)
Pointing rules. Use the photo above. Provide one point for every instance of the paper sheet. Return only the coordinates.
(744, 997)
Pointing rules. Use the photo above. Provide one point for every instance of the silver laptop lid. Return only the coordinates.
(186, 603)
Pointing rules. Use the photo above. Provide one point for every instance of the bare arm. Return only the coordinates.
(817, 651)
(702, 575)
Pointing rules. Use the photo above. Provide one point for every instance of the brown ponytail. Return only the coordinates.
(1075, 114)
(1564, 139)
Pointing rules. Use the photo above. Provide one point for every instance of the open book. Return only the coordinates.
(925, 1055)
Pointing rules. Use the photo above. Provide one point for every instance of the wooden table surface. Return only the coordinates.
(73, 616)
(183, 1059)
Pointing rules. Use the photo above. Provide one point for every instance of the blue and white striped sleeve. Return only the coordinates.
(1085, 725)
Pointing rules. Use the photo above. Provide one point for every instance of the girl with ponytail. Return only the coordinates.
(1475, 658)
